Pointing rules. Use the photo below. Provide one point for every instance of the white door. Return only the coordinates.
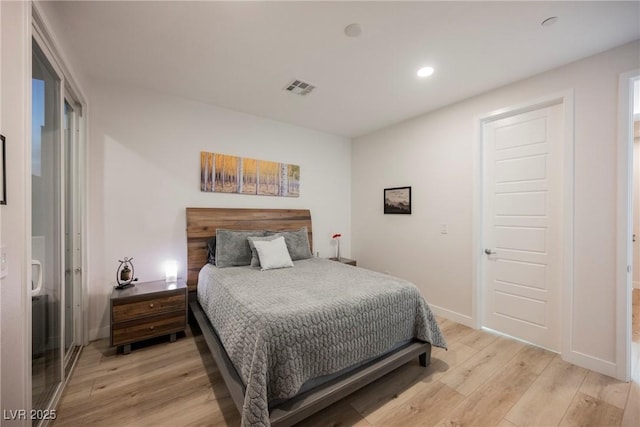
(636, 216)
(522, 199)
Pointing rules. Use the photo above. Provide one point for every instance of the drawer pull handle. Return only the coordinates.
(151, 328)
(151, 305)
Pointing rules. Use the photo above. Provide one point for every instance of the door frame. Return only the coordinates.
(625, 224)
(566, 99)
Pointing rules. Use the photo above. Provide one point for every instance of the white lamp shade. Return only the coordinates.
(171, 270)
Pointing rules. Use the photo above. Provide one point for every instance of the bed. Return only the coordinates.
(291, 341)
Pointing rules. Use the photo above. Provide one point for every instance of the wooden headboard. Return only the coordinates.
(202, 224)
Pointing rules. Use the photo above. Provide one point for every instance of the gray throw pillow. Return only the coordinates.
(211, 250)
(297, 243)
(255, 259)
(232, 247)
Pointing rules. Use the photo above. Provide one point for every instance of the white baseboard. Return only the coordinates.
(636, 285)
(452, 315)
(502, 334)
(99, 333)
(593, 363)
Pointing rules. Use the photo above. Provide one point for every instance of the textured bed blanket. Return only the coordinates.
(283, 327)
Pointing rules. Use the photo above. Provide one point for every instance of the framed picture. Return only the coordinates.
(397, 200)
(222, 173)
(3, 172)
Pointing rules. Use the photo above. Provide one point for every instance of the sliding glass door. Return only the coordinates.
(57, 168)
(55, 234)
(47, 209)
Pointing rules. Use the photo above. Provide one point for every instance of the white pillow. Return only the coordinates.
(273, 254)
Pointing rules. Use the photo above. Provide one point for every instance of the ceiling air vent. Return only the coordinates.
(299, 87)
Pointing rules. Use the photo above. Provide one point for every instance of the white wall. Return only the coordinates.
(434, 154)
(144, 165)
(15, 357)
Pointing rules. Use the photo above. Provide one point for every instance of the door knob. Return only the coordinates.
(489, 252)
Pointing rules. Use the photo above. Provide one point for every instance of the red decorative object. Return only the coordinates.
(337, 237)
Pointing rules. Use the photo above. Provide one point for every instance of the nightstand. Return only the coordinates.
(344, 260)
(148, 310)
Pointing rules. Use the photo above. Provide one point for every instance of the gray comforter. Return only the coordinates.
(283, 327)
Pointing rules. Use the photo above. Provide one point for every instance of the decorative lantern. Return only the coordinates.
(124, 274)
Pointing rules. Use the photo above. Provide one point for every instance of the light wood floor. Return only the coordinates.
(483, 380)
(635, 336)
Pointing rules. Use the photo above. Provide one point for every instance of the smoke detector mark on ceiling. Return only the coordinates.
(299, 87)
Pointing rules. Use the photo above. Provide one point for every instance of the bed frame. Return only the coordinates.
(202, 224)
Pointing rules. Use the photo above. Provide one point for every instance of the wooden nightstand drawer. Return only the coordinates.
(141, 329)
(123, 311)
(148, 310)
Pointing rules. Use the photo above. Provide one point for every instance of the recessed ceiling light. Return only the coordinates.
(549, 21)
(425, 71)
(353, 30)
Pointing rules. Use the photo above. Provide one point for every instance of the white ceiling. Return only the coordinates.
(240, 55)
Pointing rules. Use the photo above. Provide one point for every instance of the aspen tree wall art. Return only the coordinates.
(221, 173)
